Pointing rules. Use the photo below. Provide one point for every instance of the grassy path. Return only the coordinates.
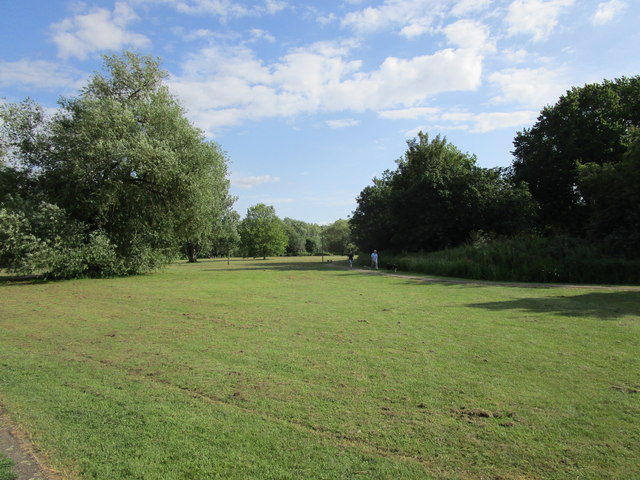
(288, 369)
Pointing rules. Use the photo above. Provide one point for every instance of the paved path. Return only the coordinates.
(16, 445)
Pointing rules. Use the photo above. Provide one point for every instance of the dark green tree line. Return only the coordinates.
(436, 198)
(588, 125)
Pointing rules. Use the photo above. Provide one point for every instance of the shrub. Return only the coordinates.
(525, 258)
(43, 240)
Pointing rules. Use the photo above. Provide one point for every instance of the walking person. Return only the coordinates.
(351, 260)
(374, 259)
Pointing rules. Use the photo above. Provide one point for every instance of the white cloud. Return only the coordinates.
(26, 73)
(97, 30)
(607, 11)
(326, 19)
(487, 122)
(535, 17)
(512, 55)
(343, 123)
(409, 113)
(258, 34)
(222, 87)
(531, 87)
(477, 122)
(470, 34)
(413, 17)
(253, 181)
(465, 7)
(225, 9)
(273, 6)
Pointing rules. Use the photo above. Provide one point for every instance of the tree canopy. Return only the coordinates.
(588, 125)
(436, 198)
(262, 233)
(121, 162)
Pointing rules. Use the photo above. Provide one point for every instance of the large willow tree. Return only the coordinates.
(121, 159)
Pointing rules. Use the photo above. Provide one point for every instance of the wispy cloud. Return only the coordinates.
(466, 7)
(343, 123)
(409, 113)
(462, 120)
(26, 73)
(253, 181)
(489, 121)
(226, 86)
(410, 17)
(97, 30)
(531, 87)
(470, 34)
(224, 9)
(608, 11)
(537, 18)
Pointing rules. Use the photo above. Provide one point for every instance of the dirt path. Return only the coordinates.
(15, 444)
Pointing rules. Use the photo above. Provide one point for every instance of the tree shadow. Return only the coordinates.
(22, 279)
(598, 305)
(276, 265)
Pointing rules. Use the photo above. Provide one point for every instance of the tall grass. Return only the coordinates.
(524, 259)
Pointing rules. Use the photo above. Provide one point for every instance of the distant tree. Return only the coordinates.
(313, 242)
(337, 238)
(296, 231)
(586, 126)
(262, 233)
(226, 238)
(304, 238)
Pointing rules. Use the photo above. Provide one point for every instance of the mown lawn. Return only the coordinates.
(290, 369)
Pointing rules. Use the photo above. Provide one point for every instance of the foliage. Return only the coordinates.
(43, 239)
(525, 258)
(370, 222)
(435, 198)
(226, 238)
(613, 194)
(337, 238)
(587, 125)
(262, 233)
(303, 238)
(122, 160)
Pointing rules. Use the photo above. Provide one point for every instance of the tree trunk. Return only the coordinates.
(192, 253)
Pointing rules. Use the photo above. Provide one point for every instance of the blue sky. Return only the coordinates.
(312, 99)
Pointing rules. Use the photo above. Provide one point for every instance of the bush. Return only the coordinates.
(525, 258)
(43, 240)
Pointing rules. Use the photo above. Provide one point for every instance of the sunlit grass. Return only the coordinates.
(290, 368)
(6, 468)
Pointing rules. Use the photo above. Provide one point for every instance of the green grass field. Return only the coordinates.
(291, 369)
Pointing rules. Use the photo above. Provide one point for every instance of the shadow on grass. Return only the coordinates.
(599, 305)
(22, 279)
(278, 265)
